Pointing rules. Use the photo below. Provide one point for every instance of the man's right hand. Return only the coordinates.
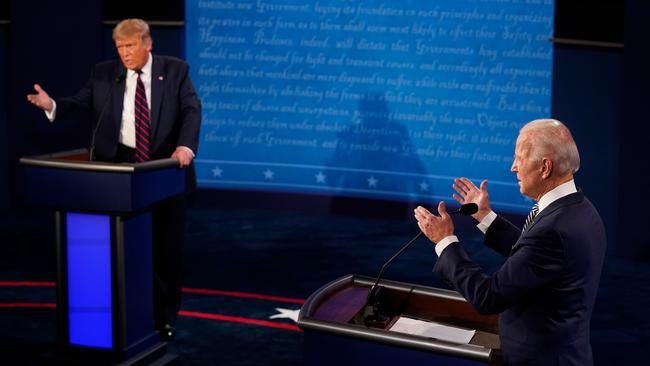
(41, 99)
(469, 193)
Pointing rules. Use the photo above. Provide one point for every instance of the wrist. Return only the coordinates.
(480, 215)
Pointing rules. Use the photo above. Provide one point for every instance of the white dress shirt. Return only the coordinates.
(127, 130)
(549, 197)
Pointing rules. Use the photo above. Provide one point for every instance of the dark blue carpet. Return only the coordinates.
(286, 255)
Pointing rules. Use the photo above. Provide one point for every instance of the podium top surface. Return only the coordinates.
(68, 181)
(78, 160)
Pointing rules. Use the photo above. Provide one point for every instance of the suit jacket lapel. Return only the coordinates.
(157, 87)
(118, 95)
(555, 205)
(566, 200)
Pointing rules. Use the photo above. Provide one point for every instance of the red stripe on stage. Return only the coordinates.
(236, 319)
(188, 290)
(242, 294)
(191, 314)
(28, 283)
(27, 305)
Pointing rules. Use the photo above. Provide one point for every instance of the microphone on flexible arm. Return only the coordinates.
(118, 79)
(371, 313)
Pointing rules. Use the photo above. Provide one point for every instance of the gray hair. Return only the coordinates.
(551, 138)
(132, 27)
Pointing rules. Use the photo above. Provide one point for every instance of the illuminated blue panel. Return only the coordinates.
(378, 99)
(89, 280)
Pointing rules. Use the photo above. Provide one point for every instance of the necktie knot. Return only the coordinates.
(531, 216)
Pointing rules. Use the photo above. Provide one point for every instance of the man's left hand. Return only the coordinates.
(183, 155)
(434, 227)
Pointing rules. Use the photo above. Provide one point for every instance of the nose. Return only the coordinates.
(513, 167)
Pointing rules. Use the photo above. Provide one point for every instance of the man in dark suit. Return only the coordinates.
(546, 289)
(145, 108)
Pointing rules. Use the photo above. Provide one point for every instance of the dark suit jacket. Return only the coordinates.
(545, 290)
(175, 107)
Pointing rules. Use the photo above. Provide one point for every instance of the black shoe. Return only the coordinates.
(167, 333)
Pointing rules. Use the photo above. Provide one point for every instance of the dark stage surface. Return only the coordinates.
(247, 271)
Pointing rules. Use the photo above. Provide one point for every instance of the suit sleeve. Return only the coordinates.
(190, 113)
(502, 236)
(83, 99)
(537, 261)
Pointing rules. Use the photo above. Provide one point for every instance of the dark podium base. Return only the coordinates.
(153, 356)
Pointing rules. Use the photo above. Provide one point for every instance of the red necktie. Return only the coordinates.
(142, 125)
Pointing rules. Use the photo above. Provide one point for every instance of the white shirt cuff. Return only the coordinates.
(444, 243)
(486, 222)
(51, 115)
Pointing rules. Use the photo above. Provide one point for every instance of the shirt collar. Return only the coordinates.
(556, 193)
(146, 69)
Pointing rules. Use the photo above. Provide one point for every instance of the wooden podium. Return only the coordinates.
(104, 253)
(333, 335)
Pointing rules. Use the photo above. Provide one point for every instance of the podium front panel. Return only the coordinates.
(103, 191)
(90, 310)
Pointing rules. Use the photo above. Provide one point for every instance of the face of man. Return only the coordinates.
(529, 172)
(133, 51)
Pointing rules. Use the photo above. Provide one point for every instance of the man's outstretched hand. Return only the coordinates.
(41, 99)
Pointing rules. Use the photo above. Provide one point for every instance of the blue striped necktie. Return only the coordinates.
(531, 216)
(142, 123)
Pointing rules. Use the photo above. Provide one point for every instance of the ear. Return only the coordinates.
(148, 44)
(547, 168)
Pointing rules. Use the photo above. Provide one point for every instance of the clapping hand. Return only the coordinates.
(469, 193)
(434, 227)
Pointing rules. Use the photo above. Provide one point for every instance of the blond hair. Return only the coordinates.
(132, 27)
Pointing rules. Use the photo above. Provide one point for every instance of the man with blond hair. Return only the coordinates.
(144, 108)
(546, 289)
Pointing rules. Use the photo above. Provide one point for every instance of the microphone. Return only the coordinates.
(466, 209)
(118, 79)
(371, 312)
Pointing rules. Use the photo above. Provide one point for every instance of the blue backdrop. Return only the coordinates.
(376, 99)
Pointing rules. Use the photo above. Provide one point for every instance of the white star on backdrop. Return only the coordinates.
(286, 313)
(372, 181)
(268, 174)
(320, 177)
(424, 187)
(216, 172)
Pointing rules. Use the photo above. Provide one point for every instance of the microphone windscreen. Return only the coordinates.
(468, 209)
